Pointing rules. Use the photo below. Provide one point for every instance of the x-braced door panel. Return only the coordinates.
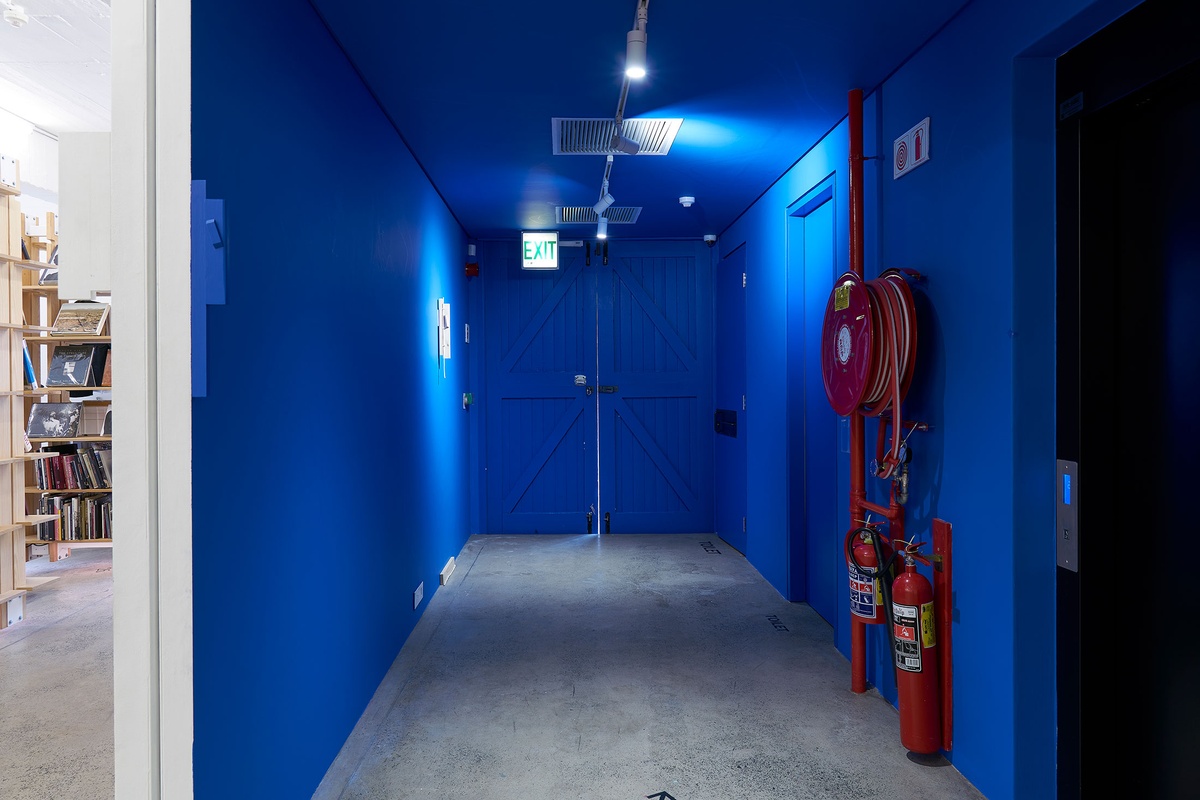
(541, 460)
(655, 398)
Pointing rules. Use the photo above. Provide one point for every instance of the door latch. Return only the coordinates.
(608, 389)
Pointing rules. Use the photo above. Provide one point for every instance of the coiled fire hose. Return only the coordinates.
(869, 346)
(894, 329)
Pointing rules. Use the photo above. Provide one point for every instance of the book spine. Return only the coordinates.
(71, 463)
(57, 480)
(30, 375)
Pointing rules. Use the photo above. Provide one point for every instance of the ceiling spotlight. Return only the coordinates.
(602, 204)
(602, 228)
(635, 54)
(623, 144)
(686, 201)
(15, 15)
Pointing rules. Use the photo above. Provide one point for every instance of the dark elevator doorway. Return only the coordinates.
(1128, 373)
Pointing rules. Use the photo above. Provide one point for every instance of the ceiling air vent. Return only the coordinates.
(586, 215)
(593, 136)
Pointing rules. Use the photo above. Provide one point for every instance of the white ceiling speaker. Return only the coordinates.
(15, 15)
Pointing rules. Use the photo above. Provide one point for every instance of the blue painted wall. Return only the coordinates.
(978, 221)
(331, 453)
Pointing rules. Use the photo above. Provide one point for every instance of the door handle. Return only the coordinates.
(589, 390)
(607, 389)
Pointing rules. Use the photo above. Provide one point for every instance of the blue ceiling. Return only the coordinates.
(472, 87)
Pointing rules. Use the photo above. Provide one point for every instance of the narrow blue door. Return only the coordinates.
(729, 388)
(541, 426)
(655, 388)
(824, 564)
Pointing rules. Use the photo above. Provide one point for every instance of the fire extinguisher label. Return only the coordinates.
(908, 649)
(928, 638)
(863, 594)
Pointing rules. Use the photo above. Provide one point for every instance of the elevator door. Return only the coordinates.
(1129, 288)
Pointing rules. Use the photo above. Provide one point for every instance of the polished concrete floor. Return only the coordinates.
(605, 667)
(56, 706)
(620, 668)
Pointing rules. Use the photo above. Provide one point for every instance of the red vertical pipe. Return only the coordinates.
(943, 607)
(856, 179)
(858, 467)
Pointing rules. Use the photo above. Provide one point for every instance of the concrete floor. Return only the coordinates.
(618, 668)
(56, 709)
(606, 667)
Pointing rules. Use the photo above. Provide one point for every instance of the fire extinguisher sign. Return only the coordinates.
(910, 150)
(863, 600)
(908, 648)
(914, 634)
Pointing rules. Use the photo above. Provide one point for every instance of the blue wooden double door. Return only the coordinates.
(599, 391)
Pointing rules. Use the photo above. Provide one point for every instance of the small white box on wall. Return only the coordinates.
(9, 174)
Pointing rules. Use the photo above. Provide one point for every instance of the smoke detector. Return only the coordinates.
(686, 201)
(15, 15)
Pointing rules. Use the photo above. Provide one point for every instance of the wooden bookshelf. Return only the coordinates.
(83, 505)
(14, 584)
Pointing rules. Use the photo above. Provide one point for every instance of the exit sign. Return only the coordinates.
(539, 249)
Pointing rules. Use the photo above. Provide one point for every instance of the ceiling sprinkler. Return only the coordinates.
(15, 15)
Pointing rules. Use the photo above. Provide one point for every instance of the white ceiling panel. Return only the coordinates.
(55, 71)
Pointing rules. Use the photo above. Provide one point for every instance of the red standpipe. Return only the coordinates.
(858, 467)
(893, 512)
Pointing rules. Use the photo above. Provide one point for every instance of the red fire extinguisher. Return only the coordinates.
(865, 552)
(915, 641)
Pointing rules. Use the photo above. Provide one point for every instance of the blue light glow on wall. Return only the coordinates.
(327, 450)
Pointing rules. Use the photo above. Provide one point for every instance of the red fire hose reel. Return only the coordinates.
(868, 350)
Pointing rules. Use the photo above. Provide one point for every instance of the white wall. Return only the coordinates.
(152, 559)
(86, 207)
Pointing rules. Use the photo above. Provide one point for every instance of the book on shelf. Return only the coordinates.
(80, 319)
(99, 362)
(106, 378)
(75, 466)
(104, 456)
(71, 365)
(49, 275)
(30, 374)
(51, 530)
(71, 471)
(76, 519)
(54, 420)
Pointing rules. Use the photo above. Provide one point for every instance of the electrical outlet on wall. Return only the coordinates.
(418, 594)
